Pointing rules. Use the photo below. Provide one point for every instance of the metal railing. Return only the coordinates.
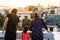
(46, 35)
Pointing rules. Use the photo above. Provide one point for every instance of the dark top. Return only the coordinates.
(36, 28)
(12, 22)
(11, 27)
(39, 22)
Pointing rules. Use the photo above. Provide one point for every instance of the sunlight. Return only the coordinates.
(23, 3)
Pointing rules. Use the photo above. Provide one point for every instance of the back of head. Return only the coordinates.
(25, 29)
(36, 15)
(14, 11)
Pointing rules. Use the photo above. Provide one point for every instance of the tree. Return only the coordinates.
(52, 11)
(1, 20)
(31, 7)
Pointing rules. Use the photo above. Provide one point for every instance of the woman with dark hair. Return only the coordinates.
(36, 28)
(11, 24)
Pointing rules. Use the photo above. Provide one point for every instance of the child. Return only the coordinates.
(25, 35)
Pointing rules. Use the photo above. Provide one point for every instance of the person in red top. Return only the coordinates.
(25, 34)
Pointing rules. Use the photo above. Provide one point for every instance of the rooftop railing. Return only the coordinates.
(46, 35)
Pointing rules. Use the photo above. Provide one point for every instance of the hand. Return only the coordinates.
(3, 30)
(47, 30)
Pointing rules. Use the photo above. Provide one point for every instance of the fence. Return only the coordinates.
(46, 35)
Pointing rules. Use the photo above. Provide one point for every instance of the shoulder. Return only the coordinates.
(27, 33)
(22, 33)
(40, 18)
(17, 16)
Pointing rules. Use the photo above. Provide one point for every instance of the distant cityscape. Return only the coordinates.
(30, 7)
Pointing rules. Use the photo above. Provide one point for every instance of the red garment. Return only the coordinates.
(25, 36)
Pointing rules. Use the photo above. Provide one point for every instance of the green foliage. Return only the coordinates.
(25, 22)
(56, 20)
(52, 11)
(58, 26)
(1, 20)
(31, 7)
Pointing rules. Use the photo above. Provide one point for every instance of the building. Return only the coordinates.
(21, 14)
(2, 11)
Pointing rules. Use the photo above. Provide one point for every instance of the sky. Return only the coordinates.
(23, 3)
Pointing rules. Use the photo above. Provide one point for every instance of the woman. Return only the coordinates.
(36, 28)
(11, 25)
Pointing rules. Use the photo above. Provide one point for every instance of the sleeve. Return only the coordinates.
(18, 19)
(44, 25)
(31, 26)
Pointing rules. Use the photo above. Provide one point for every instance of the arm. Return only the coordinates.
(17, 26)
(5, 24)
(31, 26)
(44, 25)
